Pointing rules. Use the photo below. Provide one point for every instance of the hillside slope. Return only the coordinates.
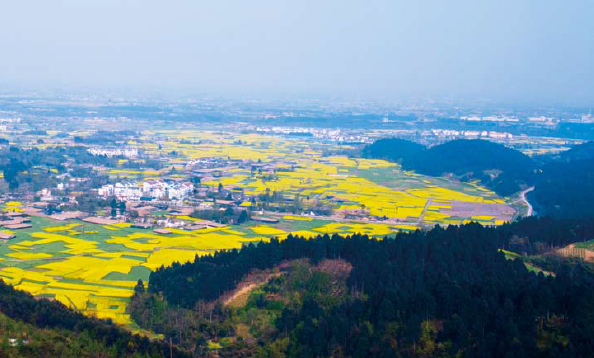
(49, 326)
(564, 184)
(565, 189)
(500, 168)
(394, 149)
(446, 292)
(463, 156)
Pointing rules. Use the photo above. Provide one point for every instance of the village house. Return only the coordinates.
(147, 191)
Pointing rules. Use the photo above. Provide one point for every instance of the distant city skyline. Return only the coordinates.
(511, 51)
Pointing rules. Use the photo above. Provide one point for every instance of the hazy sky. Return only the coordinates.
(529, 50)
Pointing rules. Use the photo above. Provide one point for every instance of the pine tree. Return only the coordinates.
(139, 288)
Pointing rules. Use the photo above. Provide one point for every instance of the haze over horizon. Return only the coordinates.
(538, 51)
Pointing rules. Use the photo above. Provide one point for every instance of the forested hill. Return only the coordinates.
(565, 189)
(579, 152)
(502, 169)
(445, 292)
(395, 149)
(43, 328)
(564, 184)
(463, 156)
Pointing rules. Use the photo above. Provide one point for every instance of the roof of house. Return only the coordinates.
(6, 235)
(66, 215)
(182, 211)
(18, 226)
(162, 231)
(225, 202)
(11, 222)
(265, 220)
(17, 214)
(98, 220)
(196, 227)
(142, 226)
(208, 223)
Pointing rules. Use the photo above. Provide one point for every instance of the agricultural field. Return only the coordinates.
(94, 268)
(347, 184)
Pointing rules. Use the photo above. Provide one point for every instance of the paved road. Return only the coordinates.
(523, 198)
(334, 218)
(427, 204)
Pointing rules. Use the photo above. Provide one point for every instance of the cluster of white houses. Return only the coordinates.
(112, 152)
(147, 191)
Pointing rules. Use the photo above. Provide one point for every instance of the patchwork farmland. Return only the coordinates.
(93, 267)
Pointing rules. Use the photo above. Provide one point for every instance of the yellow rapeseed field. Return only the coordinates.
(94, 268)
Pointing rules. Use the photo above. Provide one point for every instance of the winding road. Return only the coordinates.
(523, 198)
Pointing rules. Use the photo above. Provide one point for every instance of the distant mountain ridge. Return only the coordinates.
(501, 168)
(461, 156)
(564, 183)
(394, 149)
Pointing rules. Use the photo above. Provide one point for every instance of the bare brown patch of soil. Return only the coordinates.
(239, 295)
(572, 251)
(337, 268)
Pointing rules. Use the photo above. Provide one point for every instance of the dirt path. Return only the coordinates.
(236, 298)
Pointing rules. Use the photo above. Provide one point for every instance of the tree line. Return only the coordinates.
(447, 292)
(45, 314)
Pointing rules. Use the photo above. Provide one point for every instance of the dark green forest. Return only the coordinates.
(445, 292)
(564, 184)
(460, 291)
(97, 338)
(500, 168)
